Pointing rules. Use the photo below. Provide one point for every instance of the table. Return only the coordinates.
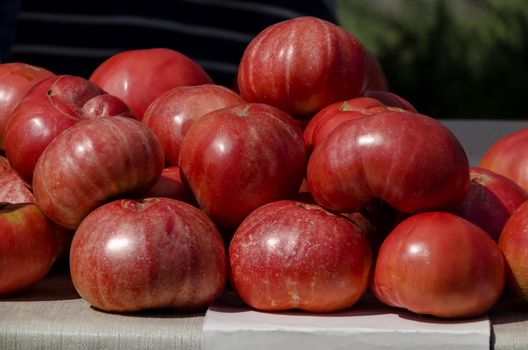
(52, 315)
(477, 135)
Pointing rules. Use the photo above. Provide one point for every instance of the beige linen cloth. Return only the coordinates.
(53, 316)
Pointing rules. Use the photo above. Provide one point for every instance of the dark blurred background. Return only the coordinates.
(461, 58)
(450, 59)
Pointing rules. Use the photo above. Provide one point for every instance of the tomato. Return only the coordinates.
(439, 264)
(513, 242)
(507, 157)
(302, 65)
(490, 200)
(139, 76)
(15, 81)
(28, 246)
(411, 161)
(238, 158)
(328, 118)
(171, 115)
(292, 255)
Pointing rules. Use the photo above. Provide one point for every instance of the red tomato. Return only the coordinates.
(439, 264)
(15, 81)
(490, 200)
(393, 156)
(292, 255)
(328, 118)
(302, 65)
(513, 242)
(171, 115)
(508, 157)
(28, 246)
(238, 158)
(130, 255)
(139, 76)
(52, 106)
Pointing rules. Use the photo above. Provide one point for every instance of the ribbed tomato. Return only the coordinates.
(411, 161)
(293, 255)
(131, 255)
(238, 158)
(93, 162)
(302, 65)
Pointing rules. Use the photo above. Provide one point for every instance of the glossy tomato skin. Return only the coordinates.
(16, 79)
(507, 156)
(132, 255)
(171, 115)
(93, 162)
(52, 106)
(439, 264)
(139, 76)
(292, 255)
(322, 128)
(302, 65)
(411, 161)
(490, 200)
(513, 242)
(238, 158)
(28, 246)
(328, 118)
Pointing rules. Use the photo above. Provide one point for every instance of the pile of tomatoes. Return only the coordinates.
(306, 186)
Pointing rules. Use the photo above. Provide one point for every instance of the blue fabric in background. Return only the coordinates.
(8, 15)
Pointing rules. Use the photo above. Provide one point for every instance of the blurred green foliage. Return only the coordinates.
(450, 59)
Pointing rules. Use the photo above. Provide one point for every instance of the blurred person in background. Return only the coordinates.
(450, 59)
(75, 37)
(8, 15)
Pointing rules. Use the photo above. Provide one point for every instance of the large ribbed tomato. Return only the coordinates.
(131, 255)
(439, 264)
(411, 161)
(302, 65)
(292, 255)
(93, 162)
(237, 158)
